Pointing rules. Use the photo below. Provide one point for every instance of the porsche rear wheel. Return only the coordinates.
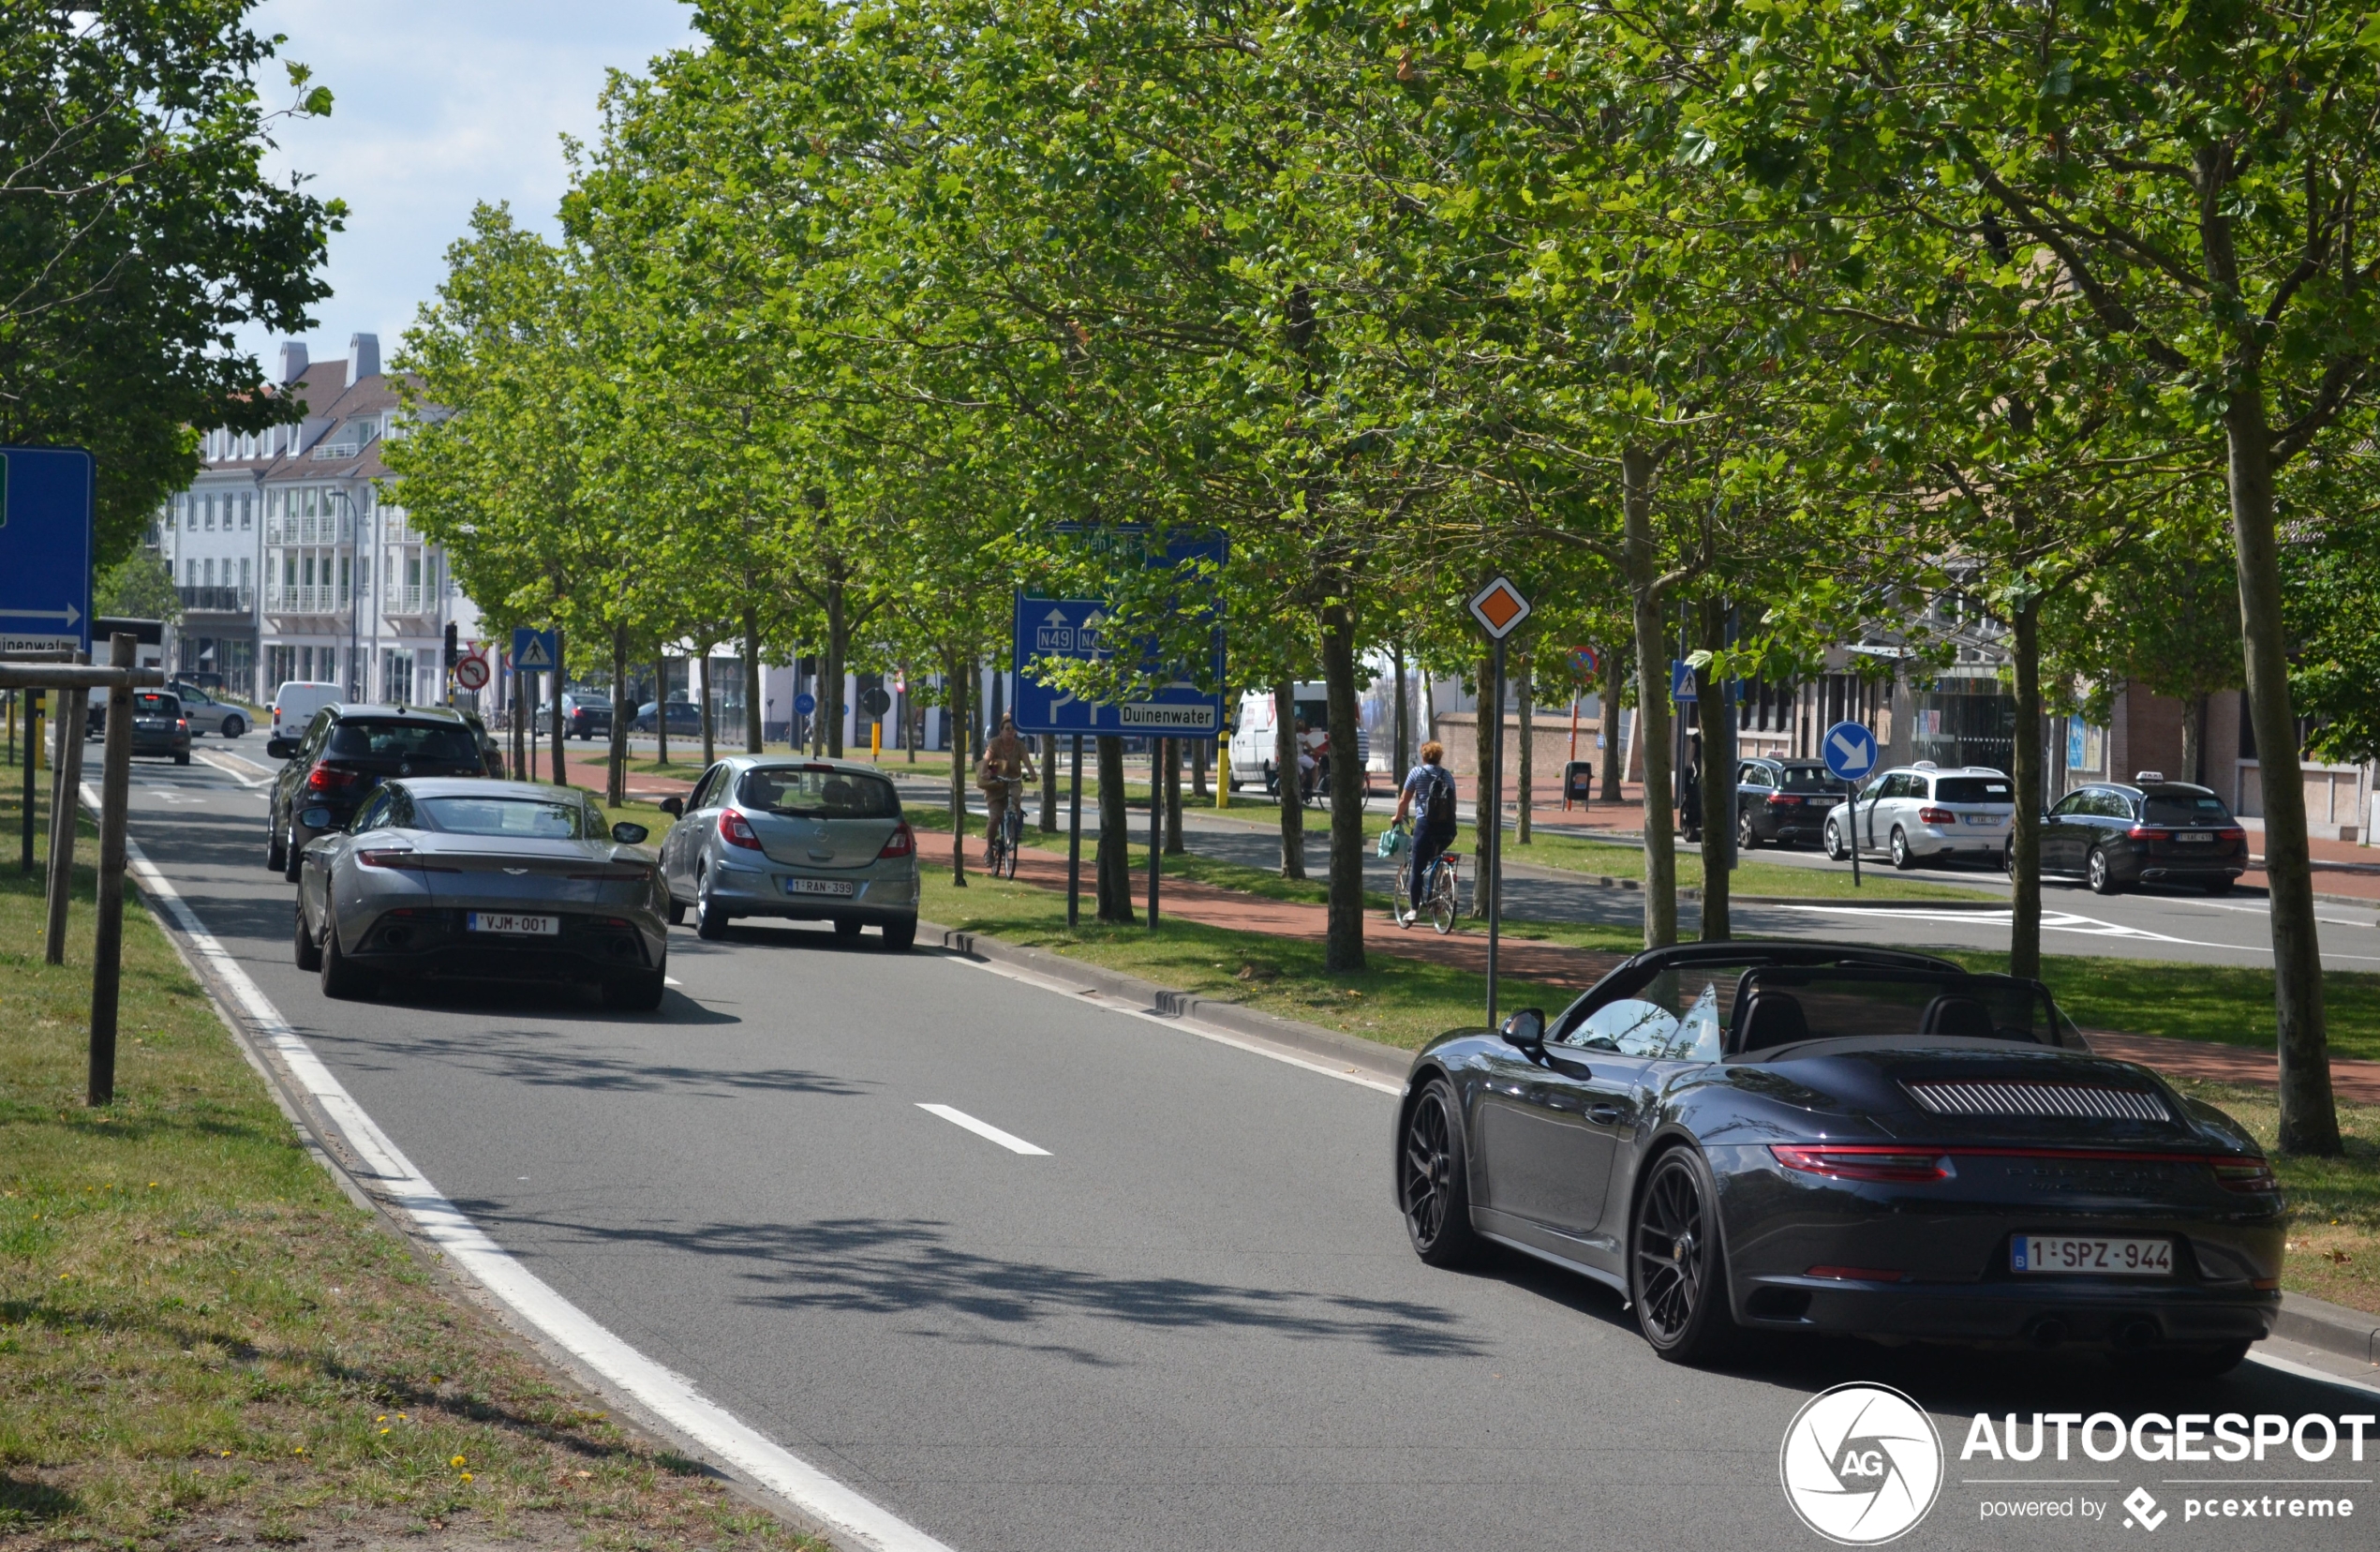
(1434, 1182)
(1677, 1272)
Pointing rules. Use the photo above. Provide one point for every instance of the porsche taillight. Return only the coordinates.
(2249, 1176)
(1906, 1165)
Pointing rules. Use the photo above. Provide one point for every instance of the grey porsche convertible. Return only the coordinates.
(468, 879)
(1751, 1139)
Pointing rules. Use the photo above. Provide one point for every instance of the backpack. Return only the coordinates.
(1438, 809)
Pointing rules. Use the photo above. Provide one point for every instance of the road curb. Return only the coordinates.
(2333, 1328)
(1312, 1041)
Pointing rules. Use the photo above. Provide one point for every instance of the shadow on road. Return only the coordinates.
(543, 1059)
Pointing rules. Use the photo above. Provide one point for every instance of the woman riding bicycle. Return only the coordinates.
(1007, 765)
(1431, 786)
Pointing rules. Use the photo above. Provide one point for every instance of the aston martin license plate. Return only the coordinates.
(2091, 1255)
(819, 886)
(509, 921)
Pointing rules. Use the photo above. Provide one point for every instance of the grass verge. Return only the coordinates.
(205, 1341)
(2334, 1204)
(2228, 1005)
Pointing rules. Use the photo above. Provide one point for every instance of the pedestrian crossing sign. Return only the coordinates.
(534, 651)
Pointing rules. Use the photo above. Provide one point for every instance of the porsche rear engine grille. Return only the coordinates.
(2076, 1100)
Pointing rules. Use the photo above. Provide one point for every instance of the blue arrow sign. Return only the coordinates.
(534, 651)
(1075, 628)
(1849, 750)
(45, 549)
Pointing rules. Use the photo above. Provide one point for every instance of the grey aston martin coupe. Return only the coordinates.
(468, 879)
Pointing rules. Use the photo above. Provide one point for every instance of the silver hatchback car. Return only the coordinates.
(796, 838)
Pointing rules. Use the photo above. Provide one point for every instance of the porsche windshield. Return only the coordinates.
(818, 792)
(1698, 1012)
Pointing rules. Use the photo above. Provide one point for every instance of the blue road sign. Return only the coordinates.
(534, 651)
(805, 703)
(1850, 750)
(1075, 628)
(1682, 681)
(45, 549)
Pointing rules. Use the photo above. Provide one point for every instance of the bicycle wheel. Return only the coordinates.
(1013, 835)
(1442, 901)
(1400, 902)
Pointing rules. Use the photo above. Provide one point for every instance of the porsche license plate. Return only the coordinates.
(2091, 1255)
(819, 886)
(511, 921)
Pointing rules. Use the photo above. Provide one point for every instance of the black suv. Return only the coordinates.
(346, 752)
(1784, 802)
(2112, 836)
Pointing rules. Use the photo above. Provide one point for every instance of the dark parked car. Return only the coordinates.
(1749, 1139)
(158, 726)
(1784, 802)
(2114, 836)
(201, 710)
(684, 717)
(481, 880)
(346, 753)
(585, 716)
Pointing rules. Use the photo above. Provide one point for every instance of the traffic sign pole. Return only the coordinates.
(1073, 842)
(1491, 828)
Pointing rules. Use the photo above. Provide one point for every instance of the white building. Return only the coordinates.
(291, 564)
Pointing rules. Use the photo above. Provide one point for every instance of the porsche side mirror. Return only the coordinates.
(675, 808)
(279, 749)
(628, 834)
(1526, 1029)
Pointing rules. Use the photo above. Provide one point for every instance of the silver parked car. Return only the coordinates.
(809, 840)
(1924, 810)
(470, 879)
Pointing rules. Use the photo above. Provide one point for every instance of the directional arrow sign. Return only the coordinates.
(534, 651)
(45, 549)
(1849, 750)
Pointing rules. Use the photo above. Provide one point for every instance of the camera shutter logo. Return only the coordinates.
(1861, 1463)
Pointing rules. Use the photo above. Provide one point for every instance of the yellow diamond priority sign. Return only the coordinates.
(1500, 608)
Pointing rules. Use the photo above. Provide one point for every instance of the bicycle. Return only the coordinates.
(1439, 888)
(1008, 836)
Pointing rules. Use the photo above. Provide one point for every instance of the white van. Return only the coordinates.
(1252, 734)
(297, 700)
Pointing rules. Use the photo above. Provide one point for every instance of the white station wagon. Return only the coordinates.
(1923, 811)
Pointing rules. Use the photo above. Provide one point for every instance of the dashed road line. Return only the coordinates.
(985, 1129)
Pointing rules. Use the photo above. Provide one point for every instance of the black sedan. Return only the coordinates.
(1749, 1139)
(685, 718)
(158, 726)
(2113, 836)
(1784, 802)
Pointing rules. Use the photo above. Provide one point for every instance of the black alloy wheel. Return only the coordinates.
(710, 922)
(2103, 876)
(1433, 1182)
(294, 858)
(305, 952)
(1677, 1273)
(234, 726)
(1903, 858)
(1748, 835)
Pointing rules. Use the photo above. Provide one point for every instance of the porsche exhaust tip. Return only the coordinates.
(2135, 1335)
(2048, 1332)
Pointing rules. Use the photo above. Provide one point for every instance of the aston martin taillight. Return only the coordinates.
(1864, 1163)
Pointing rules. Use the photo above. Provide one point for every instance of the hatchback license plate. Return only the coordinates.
(508, 921)
(818, 886)
(2091, 1255)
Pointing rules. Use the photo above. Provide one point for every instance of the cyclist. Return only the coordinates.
(1310, 746)
(1007, 765)
(1430, 785)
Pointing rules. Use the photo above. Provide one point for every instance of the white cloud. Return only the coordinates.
(440, 104)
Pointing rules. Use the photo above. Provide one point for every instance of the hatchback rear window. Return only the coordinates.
(153, 705)
(527, 818)
(818, 793)
(1973, 789)
(400, 741)
(2182, 809)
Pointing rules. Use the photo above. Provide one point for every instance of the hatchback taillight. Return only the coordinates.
(736, 830)
(899, 844)
(1936, 816)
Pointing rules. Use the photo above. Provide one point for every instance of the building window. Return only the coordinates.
(191, 513)
(245, 574)
(347, 578)
(189, 573)
(208, 570)
(396, 675)
(209, 515)
(247, 513)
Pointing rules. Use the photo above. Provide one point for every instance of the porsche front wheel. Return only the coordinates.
(1677, 1273)
(1434, 1182)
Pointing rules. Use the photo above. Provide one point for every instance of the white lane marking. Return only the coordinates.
(1106, 1004)
(2307, 1371)
(669, 1394)
(1010, 1140)
(218, 764)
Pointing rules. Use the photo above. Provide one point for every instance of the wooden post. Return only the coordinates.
(107, 952)
(65, 802)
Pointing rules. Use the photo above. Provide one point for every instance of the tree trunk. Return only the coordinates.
(1486, 730)
(1199, 768)
(955, 680)
(1173, 797)
(1285, 766)
(830, 674)
(711, 741)
(2309, 1112)
(1401, 753)
(1652, 697)
(2194, 739)
(661, 708)
(2024, 835)
(1113, 863)
(1343, 944)
(1050, 783)
(754, 734)
(615, 778)
(1524, 708)
(562, 766)
(1608, 714)
(1718, 779)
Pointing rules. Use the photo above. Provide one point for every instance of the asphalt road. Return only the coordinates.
(1192, 1321)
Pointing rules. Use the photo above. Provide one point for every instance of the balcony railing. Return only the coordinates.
(314, 598)
(410, 599)
(217, 600)
(328, 528)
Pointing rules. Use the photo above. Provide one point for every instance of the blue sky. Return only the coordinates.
(440, 104)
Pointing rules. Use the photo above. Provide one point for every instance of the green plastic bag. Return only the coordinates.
(1392, 841)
